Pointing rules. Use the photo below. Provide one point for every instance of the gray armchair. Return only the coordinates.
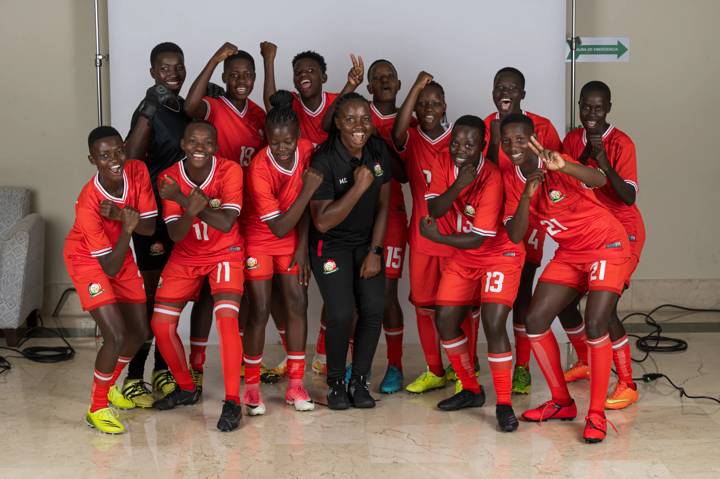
(22, 250)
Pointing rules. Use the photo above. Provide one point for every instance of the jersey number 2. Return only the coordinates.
(553, 226)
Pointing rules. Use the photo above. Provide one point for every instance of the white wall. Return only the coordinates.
(457, 43)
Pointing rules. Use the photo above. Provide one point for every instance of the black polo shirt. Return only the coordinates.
(168, 127)
(337, 166)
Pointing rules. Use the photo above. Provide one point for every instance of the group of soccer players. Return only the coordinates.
(215, 195)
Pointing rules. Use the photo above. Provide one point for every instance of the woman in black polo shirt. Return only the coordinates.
(349, 213)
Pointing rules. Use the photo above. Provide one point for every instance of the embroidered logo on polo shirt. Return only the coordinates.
(157, 249)
(215, 203)
(95, 289)
(616, 244)
(251, 263)
(343, 181)
(556, 196)
(469, 210)
(377, 169)
(329, 267)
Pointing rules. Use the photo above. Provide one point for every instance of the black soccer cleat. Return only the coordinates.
(337, 397)
(507, 422)
(359, 393)
(230, 416)
(179, 397)
(463, 399)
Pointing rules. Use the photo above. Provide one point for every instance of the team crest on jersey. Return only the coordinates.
(377, 169)
(329, 267)
(251, 263)
(556, 196)
(95, 289)
(157, 249)
(215, 203)
(469, 210)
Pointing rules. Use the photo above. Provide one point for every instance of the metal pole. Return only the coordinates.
(98, 66)
(573, 41)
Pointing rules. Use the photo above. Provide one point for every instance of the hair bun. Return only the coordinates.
(281, 99)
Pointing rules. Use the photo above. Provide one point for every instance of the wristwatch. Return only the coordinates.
(378, 250)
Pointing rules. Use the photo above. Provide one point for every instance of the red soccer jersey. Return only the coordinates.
(422, 157)
(571, 214)
(93, 235)
(239, 133)
(204, 244)
(477, 209)
(544, 129)
(383, 127)
(272, 190)
(311, 121)
(620, 151)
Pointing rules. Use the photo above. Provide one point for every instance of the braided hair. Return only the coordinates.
(281, 112)
(334, 133)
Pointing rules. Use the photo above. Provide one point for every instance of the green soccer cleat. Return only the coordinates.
(521, 381)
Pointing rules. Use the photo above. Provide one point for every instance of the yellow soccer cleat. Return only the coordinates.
(458, 383)
(163, 382)
(136, 391)
(281, 368)
(427, 381)
(104, 420)
(197, 377)
(117, 399)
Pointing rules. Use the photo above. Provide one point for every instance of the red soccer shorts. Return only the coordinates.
(425, 273)
(395, 242)
(180, 283)
(264, 266)
(534, 242)
(95, 288)
(599, 275)
(636, 242)
(492, 282)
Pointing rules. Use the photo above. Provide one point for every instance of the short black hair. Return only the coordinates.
(165, 47)
(376, 63)
(101, 132)
(315, 56)
(596, 86)
(435, 84)
(203, 123)
(512, 71)
(240, 55)
(281, 112)
(513, 118)
(471, 121)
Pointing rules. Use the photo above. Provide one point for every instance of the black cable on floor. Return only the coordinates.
(655, 342)
(39, 354)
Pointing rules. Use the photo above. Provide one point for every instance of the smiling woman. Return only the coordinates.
(349, 215)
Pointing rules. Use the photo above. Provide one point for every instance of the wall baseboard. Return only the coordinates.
(646, 294)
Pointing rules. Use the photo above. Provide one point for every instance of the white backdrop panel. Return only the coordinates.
(462, 43)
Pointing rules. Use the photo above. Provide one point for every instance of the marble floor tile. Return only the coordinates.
(42, 433)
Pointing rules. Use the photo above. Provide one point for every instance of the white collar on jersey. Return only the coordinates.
(439, 138)
(239, 113)
(277, 166)
(611, 127)
(520, 173)
(380, 115)
(479, 166)
(106, 194)
(186, 178)
(319, 108)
